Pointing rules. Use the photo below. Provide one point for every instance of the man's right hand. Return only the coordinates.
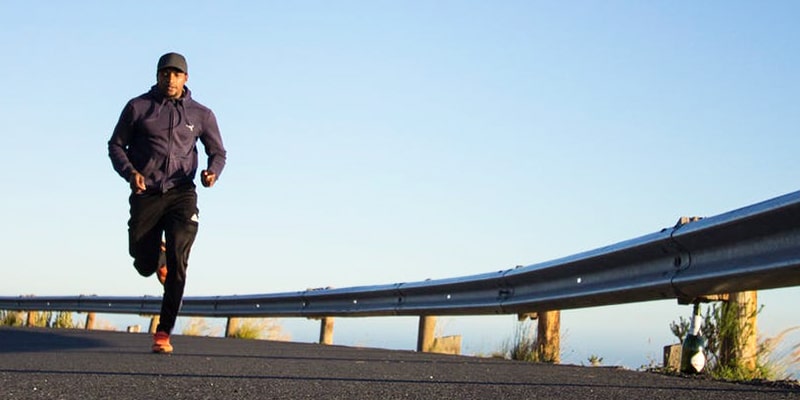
(137, 182)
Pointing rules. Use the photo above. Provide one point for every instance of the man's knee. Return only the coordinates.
(145, 259)
(144, 269)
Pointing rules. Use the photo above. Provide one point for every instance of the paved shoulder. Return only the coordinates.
(73, 364)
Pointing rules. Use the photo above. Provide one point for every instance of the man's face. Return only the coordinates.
(170, 82)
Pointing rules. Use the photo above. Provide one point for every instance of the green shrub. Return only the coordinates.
(723, 322)
(595, 360)
(12, 318)
(64, 320)
(522, 346)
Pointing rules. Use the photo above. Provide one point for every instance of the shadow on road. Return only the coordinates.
(34, 340)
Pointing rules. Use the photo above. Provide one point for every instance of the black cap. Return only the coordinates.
(173, 60)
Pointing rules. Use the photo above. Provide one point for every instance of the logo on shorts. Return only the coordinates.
(191, 127)
(195, 218)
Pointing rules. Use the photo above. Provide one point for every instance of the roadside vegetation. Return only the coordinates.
(722, 322)
(12, 318)
(246, 328)
(522, 344)
(40, 319)
(200, 327)
(776, 359)
(259, 328)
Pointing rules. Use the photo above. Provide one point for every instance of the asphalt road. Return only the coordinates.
(76, 364)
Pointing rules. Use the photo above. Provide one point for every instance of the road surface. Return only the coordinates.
(79, 364)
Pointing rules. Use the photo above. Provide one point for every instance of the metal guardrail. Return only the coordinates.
(752, 248)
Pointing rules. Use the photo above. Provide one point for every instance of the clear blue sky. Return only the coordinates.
(377, 142)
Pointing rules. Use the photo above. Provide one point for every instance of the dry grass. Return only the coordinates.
(260, 328)
(200, 327)
(780, 360)
(523, 344)
(12, 318)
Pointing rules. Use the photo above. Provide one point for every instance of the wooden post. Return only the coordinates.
(90, 321)
(31, 318)
(427, 325)
(230, 327)
(548, 338)
(326, 330)
(738, 342)
(672, 357)
(154, 320)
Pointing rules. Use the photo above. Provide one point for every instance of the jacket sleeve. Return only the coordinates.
(119, 142)
(212, 144)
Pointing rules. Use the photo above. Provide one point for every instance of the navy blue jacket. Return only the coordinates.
(157, 137)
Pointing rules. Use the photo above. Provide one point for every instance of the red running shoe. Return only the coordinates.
(161, 343)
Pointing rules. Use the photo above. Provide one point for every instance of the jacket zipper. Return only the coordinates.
(169, 147)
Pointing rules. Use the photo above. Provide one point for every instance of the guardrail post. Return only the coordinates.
(548, 338)
(427, 325)
(739, 345)
(154, 320)
(90, 321)
(230, 327)
(31, 318)
(326, 330)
